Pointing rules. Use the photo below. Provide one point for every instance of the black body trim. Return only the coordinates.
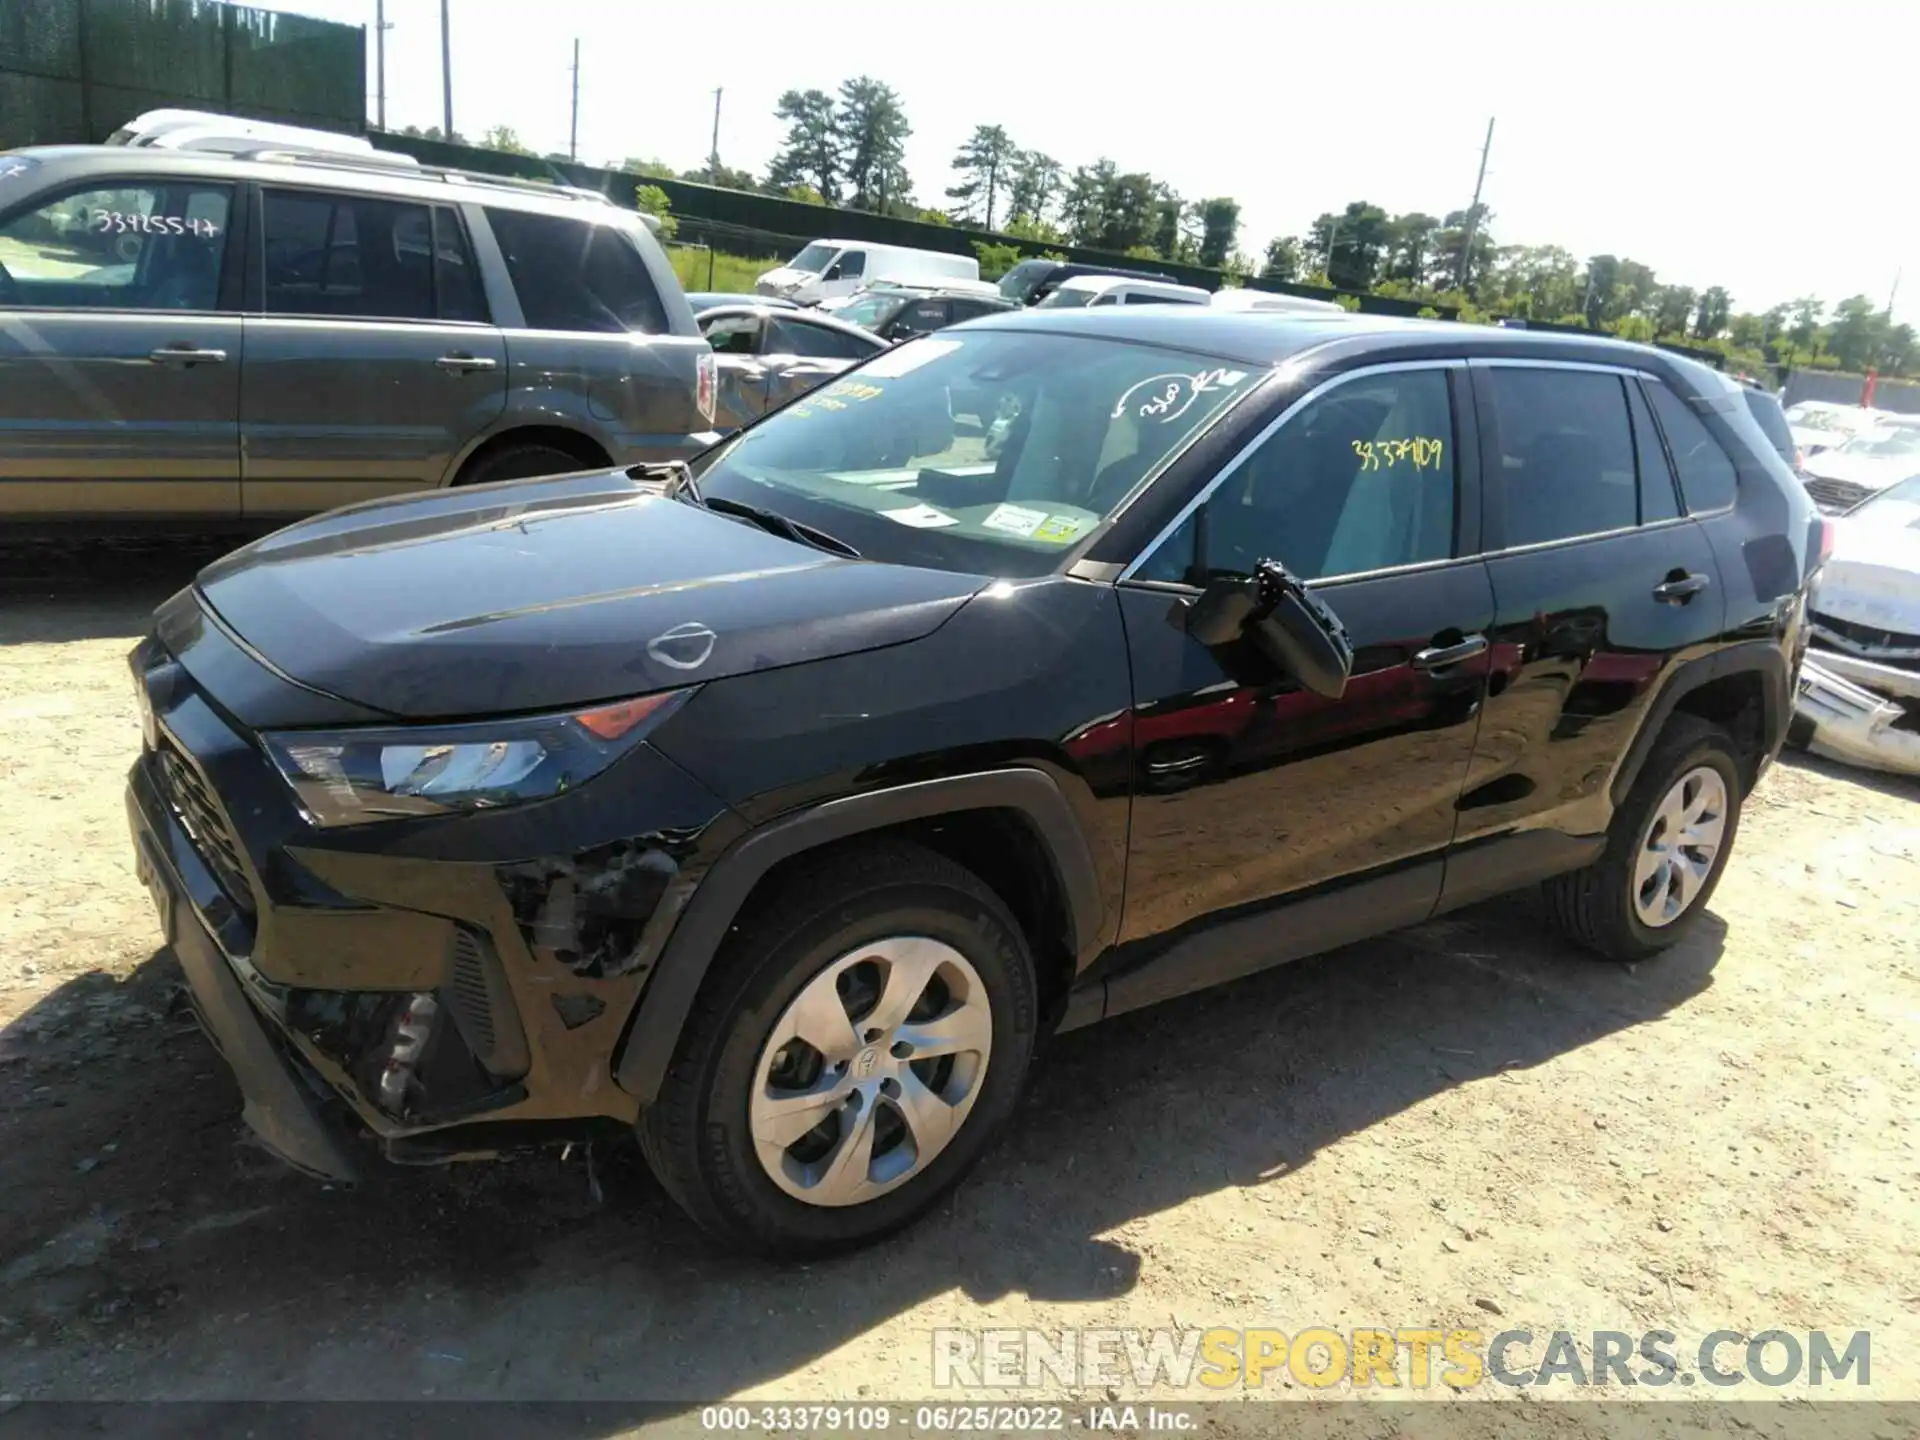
(1764, 657)
(702, 926)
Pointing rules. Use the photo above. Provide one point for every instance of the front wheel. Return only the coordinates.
(1666, 849)
(864, 1035)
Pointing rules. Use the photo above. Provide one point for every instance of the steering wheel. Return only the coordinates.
(9, 287)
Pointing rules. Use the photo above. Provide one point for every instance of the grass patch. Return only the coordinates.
(729, 273)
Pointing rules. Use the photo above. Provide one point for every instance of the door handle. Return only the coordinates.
(460, 364)
(185, 355)
(1439, 657)
(1678, 588)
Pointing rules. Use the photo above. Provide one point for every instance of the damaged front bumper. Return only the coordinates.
(1862, 712)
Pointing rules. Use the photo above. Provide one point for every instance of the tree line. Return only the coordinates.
(848, 149)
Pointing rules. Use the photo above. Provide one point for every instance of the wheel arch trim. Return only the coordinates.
(1763, 658)
(689, 949)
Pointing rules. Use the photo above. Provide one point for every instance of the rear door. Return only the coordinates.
(1250, 790)
(120, 351)
(798, 354)
(372, 361)
(736, 338)
(1602, 586)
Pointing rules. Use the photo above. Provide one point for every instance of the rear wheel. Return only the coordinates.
(863, 1037)
(521, 462)
(1666, 849)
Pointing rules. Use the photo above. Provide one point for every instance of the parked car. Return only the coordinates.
(1869, 462)
(782, 804)
(1819, 425)
(1081, 290)
(711, 299)
(1246, 298)
(828, 268)
(899, 312)
(1031, 281)
(768, 354)
(188, 335)
(1859, 697)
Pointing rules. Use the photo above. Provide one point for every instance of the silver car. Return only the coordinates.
(768, 355)
(260, 334)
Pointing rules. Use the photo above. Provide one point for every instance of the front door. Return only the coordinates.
(372, 363)
(1601, 586)
(1250, 791)
(120, 354)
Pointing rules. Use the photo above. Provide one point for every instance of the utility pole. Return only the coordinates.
(573, 131)
(446, 75)
(1473, 211)
(380, 28)
(713, 155)
(1893, 294)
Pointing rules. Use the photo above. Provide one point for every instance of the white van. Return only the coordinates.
(1115, 290)
(1243, 301)
(827, 268)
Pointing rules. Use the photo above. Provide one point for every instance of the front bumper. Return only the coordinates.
(282, 1103)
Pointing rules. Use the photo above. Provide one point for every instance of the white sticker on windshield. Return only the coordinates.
(922, 517)
(1015, 520)
(907, 358)
(1167, 397)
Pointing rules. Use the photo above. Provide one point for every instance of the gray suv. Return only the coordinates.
(252, 336)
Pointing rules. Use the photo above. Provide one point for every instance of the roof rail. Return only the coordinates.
(390, 162)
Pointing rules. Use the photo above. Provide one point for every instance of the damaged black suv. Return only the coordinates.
(1032, 672)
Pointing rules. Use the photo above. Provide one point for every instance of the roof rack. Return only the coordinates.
(392, 162)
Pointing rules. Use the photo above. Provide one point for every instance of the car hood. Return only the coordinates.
(1873, 471)
(542, 594)
(1873, 575)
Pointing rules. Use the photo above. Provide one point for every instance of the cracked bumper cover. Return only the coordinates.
(281, 1105)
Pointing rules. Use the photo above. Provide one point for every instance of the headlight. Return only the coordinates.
(354, 777)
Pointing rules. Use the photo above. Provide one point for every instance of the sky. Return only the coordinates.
(1761, 147)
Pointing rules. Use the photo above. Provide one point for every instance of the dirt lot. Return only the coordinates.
(1465, 1125)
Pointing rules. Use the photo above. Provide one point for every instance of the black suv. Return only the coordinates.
(1029, 673)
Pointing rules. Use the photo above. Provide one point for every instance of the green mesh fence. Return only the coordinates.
(74, 70)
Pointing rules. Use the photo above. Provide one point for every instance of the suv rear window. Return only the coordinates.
(574, 275)
(1771, 419)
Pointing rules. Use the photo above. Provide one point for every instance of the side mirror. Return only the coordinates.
(833, 272)
(1286, 622)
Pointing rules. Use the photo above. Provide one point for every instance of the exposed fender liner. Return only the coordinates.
(1761, 656)
(695, 938)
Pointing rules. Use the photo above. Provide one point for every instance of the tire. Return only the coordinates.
(521, 462)
(820, 927)
(1608, 905)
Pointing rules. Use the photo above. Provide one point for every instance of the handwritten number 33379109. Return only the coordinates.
(1419, 452)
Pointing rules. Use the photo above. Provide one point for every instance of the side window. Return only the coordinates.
(852, 265)
(796, 337)
(922, 317)
(575, 275)
(137, 247)
(1109, 298)
(347, 255)
(1147, 297)
(1362, 478)
(1566, 465)
(1706, 474)
(973, 309)
(734, 335)
(456, 281)
(1658, 498)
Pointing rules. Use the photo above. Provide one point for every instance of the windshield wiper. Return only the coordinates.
(778, 524)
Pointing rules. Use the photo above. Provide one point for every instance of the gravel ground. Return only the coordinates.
(1463, 1125)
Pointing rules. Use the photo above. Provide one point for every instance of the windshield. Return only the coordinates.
(815, 258)
(1019, 283)
(1894, 442)
(1810, 416)
(990, 452)
(1068, 297)
(873, 309)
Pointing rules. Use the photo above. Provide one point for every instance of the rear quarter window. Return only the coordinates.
(1706, 473)
(1772, 420)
